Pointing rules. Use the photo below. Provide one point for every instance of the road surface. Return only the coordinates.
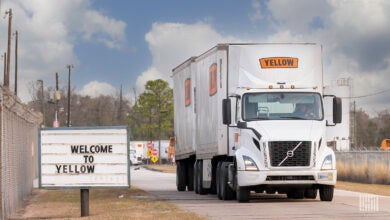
(345, 204)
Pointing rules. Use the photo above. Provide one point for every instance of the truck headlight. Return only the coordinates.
(250, 164)
(327, 164)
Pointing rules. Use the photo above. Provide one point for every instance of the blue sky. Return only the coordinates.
(129, 42)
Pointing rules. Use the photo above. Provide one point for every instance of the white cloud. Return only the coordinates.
(354, 35)
(173, 43)
(48, 32)
(103, 29)
(95, 89)
(256, 15)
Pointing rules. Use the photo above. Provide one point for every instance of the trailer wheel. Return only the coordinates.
(190, 176)
(311, 193)
(201, 190)
(226, 192)
(326, 192)
(180, 176)
(196, 189)
(218, 180)
(243, 195)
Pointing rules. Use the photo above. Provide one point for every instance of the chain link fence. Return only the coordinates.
(19, 151)
(364, 166)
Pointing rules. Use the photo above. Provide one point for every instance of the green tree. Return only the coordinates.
(152, 115)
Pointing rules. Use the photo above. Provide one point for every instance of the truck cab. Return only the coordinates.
(278, 143)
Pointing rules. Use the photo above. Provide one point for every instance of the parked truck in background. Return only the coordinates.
(250, 117)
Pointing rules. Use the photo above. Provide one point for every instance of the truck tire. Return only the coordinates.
(218, 180)
(243, 195)
(180, 176)
(190, 176)
(201, 190)
(196, 189)
(226, 192)
(326, 192)
(296, 194)
(311, 193)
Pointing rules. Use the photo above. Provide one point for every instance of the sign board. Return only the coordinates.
(149, 153)
(154, 152)
(84, 157)
(154, 159)
(150, 145)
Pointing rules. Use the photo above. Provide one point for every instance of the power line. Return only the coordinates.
(363, 96)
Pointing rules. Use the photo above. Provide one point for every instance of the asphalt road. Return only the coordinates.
(345, 204)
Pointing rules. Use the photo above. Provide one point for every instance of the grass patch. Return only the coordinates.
(363, 172)
(377, 189)
(103, 204)
(166, 168)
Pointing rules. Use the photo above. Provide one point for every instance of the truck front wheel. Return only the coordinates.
(226, 192)
(326, 192)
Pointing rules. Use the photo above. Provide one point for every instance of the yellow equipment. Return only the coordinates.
(385, 145)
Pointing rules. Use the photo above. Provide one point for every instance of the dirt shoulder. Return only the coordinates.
(104, 204)
(351, 186)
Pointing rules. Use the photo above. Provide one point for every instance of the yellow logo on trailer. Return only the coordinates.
(278, 62)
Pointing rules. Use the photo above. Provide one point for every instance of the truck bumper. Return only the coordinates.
(281, 177)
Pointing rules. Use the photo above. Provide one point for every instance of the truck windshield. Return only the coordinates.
(282, 106)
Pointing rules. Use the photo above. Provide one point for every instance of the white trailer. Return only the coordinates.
(238, 127)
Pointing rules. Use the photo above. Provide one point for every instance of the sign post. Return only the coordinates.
(84, 158)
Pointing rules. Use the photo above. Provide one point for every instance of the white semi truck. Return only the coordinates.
(250, 118)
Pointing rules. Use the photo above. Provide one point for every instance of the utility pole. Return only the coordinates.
(57, 98)
(5, 67)
(6, 80)
(16, 63)
(120, 106)
(69, 66)
(354, 125)
(42, 98)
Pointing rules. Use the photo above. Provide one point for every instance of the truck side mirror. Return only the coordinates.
(337, 110)
(226, 112)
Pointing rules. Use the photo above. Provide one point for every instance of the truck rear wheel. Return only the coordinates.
(180, 176)
(226, 192)
(190, 176)
(196, 189)
(218, 180)
(326, 192)
(201, 190)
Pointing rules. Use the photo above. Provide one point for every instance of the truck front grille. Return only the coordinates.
(288, 178)
(289, 154)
